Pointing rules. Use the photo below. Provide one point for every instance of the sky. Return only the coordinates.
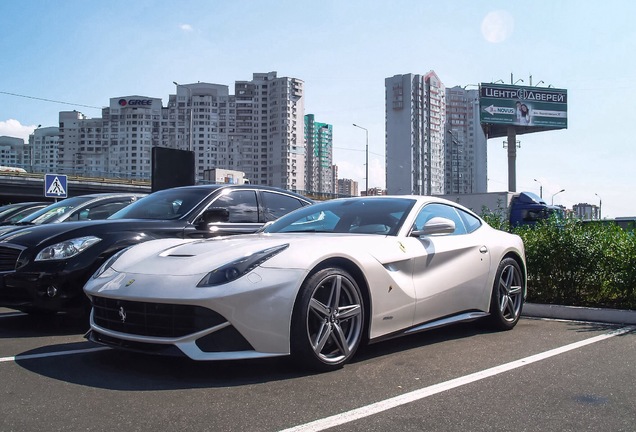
(77, 54)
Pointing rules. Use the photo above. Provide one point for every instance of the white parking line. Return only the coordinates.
(375, 408)
(50, 354)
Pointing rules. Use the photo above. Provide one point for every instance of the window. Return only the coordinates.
(471, 222)
(242, 206)
(448, 212)
(277, 205)
(101, 210)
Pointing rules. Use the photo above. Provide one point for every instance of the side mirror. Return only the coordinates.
(436, 225)
(215, 214)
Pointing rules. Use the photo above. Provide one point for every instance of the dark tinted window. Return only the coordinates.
(165, 204)
(241, 204)
(277, 205)
(100, 210)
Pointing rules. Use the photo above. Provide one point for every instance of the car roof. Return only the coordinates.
(422, 199)
(215, 186)
(108, 194)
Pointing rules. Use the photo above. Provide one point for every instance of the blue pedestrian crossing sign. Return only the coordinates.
(55, 186)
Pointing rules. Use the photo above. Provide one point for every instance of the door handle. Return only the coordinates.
(483, 249)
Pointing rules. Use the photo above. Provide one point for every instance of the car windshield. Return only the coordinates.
(19, 215)
(53, 211)
(7, 209)
(382, 216)
(164, 205)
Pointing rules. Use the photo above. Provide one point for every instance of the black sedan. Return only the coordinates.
(44, 268)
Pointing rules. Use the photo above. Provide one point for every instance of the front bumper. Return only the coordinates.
(247, 318)
(52, 291)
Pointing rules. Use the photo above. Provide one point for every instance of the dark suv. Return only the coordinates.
(44, 268)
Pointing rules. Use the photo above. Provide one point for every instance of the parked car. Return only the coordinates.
(11, 213)
(314, 284)
(84, 207)
(43, 268)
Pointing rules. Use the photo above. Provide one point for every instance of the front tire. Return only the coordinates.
(507, 296)
(328, 320)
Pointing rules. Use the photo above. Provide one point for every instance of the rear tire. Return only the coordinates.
(328, 320)
(507, 297)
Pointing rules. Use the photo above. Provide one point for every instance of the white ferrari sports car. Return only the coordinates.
(314, 284)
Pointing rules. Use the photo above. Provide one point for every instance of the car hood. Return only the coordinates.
(180, 257)
(4, 229)
(34, 235)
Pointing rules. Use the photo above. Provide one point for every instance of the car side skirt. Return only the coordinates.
(454, 319)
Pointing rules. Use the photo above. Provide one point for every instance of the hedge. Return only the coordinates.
(578, 263)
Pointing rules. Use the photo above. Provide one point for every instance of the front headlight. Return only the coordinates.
(236, 269)
(67, 249)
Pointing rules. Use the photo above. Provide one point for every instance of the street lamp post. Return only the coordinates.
(191, 113)
(366, 159)
(540, 188)
(562, 190)
(600, 206)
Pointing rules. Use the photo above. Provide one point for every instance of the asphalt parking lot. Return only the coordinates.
(543, 375)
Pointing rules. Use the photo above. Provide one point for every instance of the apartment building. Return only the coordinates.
(44, 148)
(348, 187)
(415, 129)
(319, 164)
(13, 152)
(259, 130)
(465, 143)
(434, 140)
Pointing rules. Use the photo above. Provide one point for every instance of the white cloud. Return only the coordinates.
(13, 128)
(186, 27)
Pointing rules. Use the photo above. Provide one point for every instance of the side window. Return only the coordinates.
(104, 210)
(100, 210)
(241, 204)
(277, 205)
(440, 210)
(534, 215)
(470, 221)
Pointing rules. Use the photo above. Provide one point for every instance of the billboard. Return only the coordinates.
(527, 109)
(171, 168)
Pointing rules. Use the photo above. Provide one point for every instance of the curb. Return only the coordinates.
(576, 313)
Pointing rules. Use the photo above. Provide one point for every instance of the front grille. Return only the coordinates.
(152, 319)
(8, 258)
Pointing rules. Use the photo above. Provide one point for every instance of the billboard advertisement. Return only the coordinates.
(527, 109)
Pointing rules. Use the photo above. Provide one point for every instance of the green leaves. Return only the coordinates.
(580, 263)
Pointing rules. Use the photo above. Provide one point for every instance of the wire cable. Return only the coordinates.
(50, 100)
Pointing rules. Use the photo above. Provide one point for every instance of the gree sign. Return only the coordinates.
(135, 102)
(519, 106)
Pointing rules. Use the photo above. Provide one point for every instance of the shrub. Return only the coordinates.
(580, 264)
